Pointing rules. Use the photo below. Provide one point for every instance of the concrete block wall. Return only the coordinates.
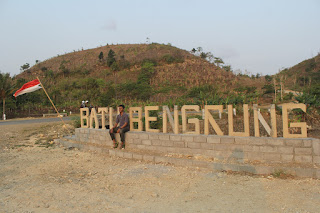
(226, 148)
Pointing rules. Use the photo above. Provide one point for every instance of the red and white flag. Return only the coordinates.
(28, 87)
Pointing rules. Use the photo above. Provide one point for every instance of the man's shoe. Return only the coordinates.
(122, 145)
(115, 145)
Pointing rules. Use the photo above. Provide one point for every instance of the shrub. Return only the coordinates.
(76, 121)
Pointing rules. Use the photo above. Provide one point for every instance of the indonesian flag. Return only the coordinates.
(28, 87)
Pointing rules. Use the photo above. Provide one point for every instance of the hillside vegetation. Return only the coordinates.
(135, 74)
(303, 77)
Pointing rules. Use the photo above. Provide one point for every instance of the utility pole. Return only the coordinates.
(275, 90)
(281, 88)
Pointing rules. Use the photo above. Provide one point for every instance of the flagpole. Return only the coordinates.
(51, 101)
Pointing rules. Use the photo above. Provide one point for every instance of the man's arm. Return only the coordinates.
(111, 130)
(124, 125)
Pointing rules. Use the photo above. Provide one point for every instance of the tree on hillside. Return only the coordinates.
(218, 61)
(101, 56)
(24, 67)
(209, 56)
(203, 55)
(111, 58)
(199, 49)
(5, 89)
(268, 78)
(227, 68)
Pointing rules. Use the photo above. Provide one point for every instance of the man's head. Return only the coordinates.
(121, 108)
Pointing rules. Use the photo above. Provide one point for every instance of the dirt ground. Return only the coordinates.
(37, 175)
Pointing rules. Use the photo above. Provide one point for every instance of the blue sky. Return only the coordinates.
(258, 36)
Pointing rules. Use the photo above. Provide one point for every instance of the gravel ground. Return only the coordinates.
(38, 176)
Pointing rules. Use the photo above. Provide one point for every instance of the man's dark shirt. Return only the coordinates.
(123, 119)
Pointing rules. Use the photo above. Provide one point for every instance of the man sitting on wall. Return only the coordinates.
(123, 121)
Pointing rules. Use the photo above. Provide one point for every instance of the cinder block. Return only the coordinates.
(199, 151)
(254, 156)
(206, 145)
(303, 159)
(160, 159)
(148, 158)
(307, 143)
(146, 142)
(172, 149)
(132, 146)
(316, 159)
(167, 143)
(129, 140)
(257, 141)
(248, 168)
(164, 137)
(175, 137)
(303, 151)
(143, 136)
(127, 155)
(236, 147)
(221, 147)
(137, 141)
(200, 138)
(275, 142)
(186, 151)
(213, 139)
(316, 147)
(193, 145)
(225, 139)
(294, 142)
(153, 136)
(251, 148)
(231, 167)
(151, 148)
(178, 144)
(268, 149)
(137, 156)
(162, 149)
(132, 135)
(156, 142)
(187, 138)
(241, 140)
(273, 157)
(141, 146)
(119, 153)
(285, 150)
(304, 172)
(237, 155)
(286, 158)
(264, 170)
(221, 155)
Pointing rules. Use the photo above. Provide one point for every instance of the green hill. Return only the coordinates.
(135, 74)
(303, 77)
